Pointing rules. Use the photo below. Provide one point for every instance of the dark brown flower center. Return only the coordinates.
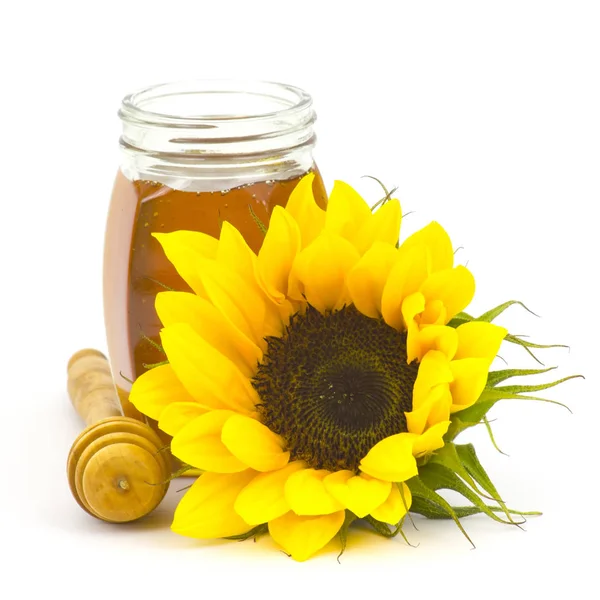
(334, 385)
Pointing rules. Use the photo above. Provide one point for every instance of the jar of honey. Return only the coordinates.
(193, 154)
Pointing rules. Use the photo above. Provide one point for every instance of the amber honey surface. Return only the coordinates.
(135, 268)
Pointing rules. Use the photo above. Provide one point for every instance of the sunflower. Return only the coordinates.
(312, 381)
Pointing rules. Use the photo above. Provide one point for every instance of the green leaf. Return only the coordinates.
(496, 377)
(420, 490)
(255, 532)
(490, 315)
(343, 533)
(438, 477)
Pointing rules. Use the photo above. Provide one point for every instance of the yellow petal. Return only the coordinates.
(302, 536)
(319, 273)
(211, 325)
(434, 370)
(306, 493)
(199, 444)
(435, 313)
(437, 337)
(206, 510)
(358, 493)
(470, 377)
(411, 306)
(382, 226)
(454, 287)
(439, 247)
(396, 505)
(412, 342)
(479, 340)
(263, 499)
(236, 257)
(156, 389)
(434, 408)
(347, 212)
(430, 440)
(176, 416)
(184, 249)
(405, 278)
(206, 374)
(239, 302)
(254, 444)
(277, 254)
(368, 277)
(303, 208)
(391, 459)
(234, 253)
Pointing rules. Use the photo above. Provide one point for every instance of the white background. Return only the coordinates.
(486, 115)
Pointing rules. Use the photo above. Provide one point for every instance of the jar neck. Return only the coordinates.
(210, 135)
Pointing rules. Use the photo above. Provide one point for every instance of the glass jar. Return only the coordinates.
(194, 154)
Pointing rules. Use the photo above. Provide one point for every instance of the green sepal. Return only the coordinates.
(253, 533)
(343, 533)
(448, 457)
(436, 477)
(490, 315)
(519, 341)
(160, 283)
(382, 528)
(474, 414)
(154, 344)
(388, 194)
(460, 319)
(431, 511)
(491, 434)
(418, 490)
(150, 366)
(489, 397)
(179, 472)
(519, 389)
(496, 377)
(261, 226)
(469, 459)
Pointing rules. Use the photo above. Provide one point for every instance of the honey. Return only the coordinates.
(136, 269)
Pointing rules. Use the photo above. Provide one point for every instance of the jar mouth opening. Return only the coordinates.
(211, 103)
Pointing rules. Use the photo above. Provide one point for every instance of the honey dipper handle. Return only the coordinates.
(91, 387)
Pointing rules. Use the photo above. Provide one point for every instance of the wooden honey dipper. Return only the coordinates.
(116, 469)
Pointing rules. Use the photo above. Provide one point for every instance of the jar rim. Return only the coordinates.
(292, 100)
